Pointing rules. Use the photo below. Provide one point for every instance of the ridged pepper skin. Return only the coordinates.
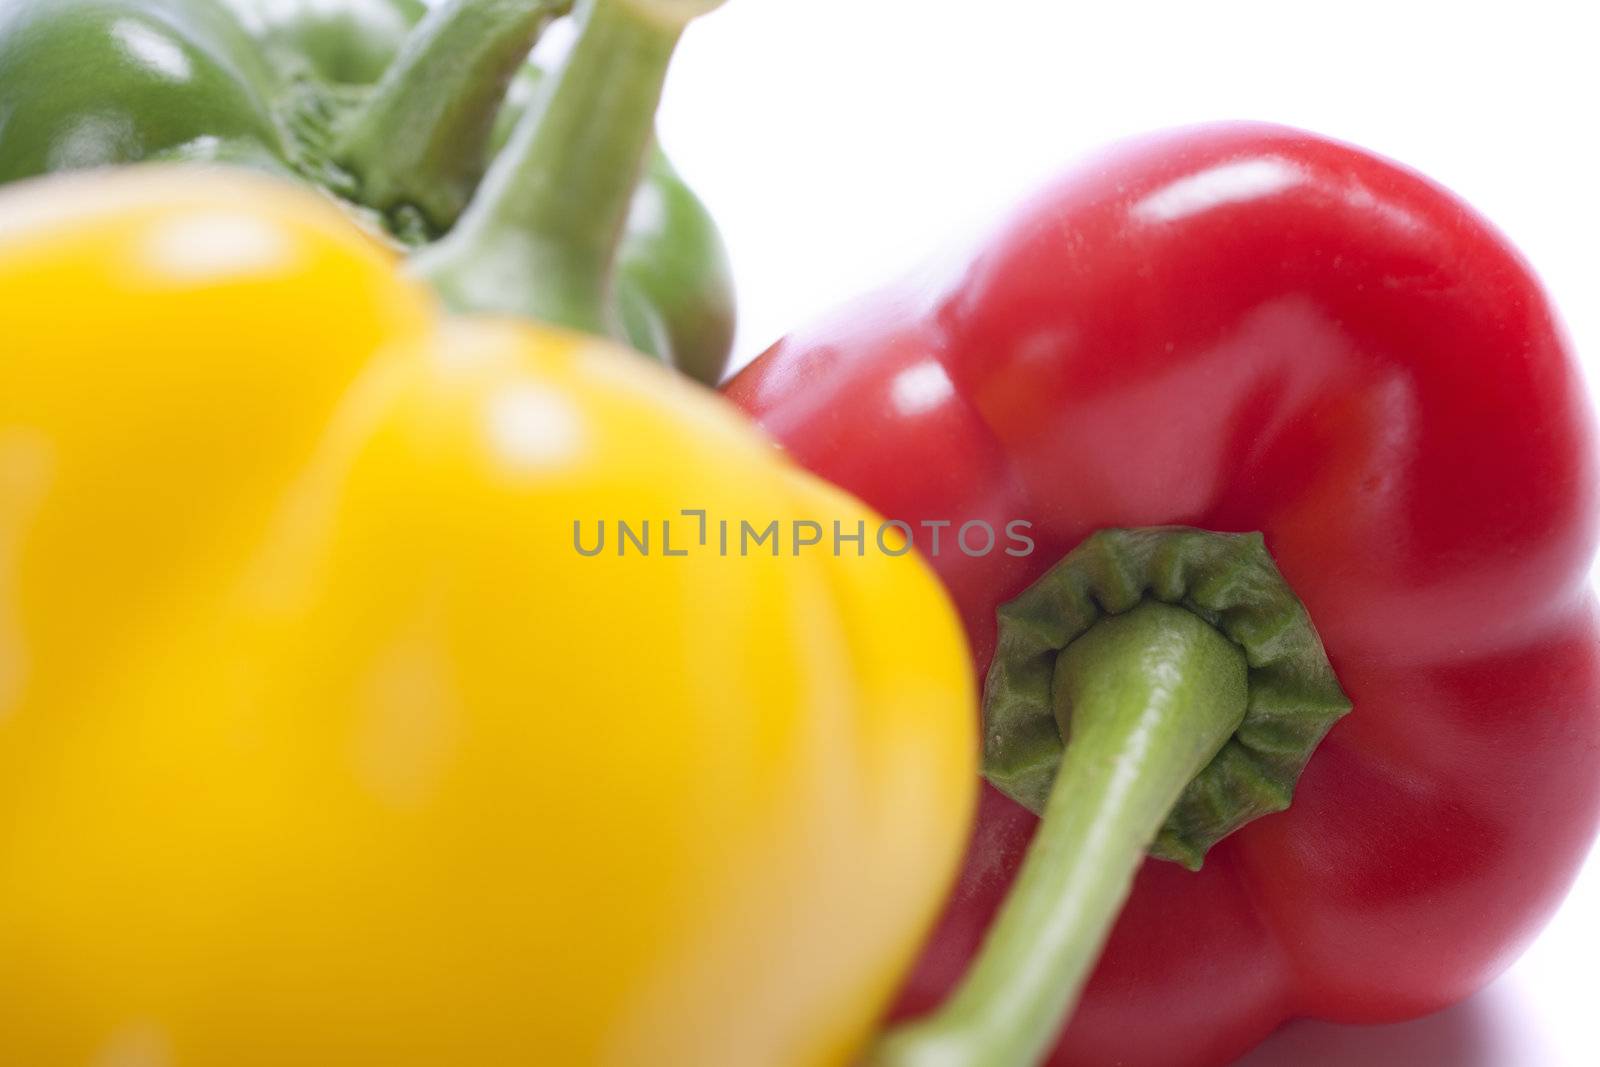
(272, 84)
(320, 742)
(1249, 328)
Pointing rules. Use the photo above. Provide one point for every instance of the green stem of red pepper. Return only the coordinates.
(420, 143)
(1151, 693)
(540, 238)
(1151, 696)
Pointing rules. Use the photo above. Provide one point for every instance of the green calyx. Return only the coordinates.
(396, 110)
(1150, 695)
(1230, 582)
(1153, 692)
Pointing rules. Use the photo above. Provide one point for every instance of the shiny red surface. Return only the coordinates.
(1243, 327)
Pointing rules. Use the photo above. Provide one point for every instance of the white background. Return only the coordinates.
(841, 142)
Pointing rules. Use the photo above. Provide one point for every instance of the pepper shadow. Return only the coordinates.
(1477, 1033)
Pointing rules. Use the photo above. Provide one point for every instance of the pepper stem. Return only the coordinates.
(540, 238)
(420, 142)
(1145, 699)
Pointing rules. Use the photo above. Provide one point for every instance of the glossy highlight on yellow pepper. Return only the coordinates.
(321, 745)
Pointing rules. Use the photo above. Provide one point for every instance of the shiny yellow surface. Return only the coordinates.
(321, 745)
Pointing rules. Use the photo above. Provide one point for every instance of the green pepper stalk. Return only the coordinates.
(1152, 696)
(421, 139)
(552, 209)
(1153, 692)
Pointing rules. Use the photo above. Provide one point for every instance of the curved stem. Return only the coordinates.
(1145, 699)
(421, 140)
(540, 239)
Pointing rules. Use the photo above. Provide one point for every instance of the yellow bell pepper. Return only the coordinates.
(321, 745)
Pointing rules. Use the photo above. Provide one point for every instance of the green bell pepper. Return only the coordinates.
(520, 191)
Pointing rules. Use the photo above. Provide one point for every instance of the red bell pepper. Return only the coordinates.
(1249, 328)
